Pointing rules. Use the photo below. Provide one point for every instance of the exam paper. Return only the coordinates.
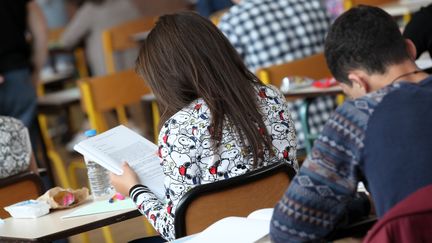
(103, 206)
(233, 229)
(111, 148)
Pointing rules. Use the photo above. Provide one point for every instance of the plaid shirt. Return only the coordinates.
(272, 32)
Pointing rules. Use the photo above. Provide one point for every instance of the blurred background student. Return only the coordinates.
(419, 30)
(15, 153)
(87, 25)
(208, 7)
(23, 52)
(272, 32)
(218, 120)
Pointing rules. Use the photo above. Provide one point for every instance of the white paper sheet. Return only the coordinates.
(233, 229)
(111, 148)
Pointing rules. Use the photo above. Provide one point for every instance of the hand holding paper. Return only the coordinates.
(122, 183)
(111, 148)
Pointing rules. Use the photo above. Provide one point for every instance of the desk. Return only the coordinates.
(424, 62)
(140, 37)
(404, 7)
(311, 92)
(58, 100)
(302, 109)
(51, 227)
(57, 77)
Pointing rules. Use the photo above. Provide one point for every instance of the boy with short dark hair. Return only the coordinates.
(382, 137)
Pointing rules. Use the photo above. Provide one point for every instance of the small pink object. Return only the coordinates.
(119, 196)
(68, 199)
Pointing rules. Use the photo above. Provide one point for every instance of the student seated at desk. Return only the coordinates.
(15, 148)
(381, 137)
(419, 30)
(272, 32)
(219, 120)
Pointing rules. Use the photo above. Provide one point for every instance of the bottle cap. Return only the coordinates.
(90, 133)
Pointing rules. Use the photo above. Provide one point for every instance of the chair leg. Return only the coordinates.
(340, 99)
(305, 125)
(59, 168)
(55, 158)
(150, 231)
(72, 168)
(156, 117)
(85, 238)
(106, 231)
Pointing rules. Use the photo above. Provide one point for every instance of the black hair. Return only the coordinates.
(365, 38)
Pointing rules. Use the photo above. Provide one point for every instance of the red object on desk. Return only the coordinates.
(325, 83)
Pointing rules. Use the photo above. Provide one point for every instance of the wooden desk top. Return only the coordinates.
(52, 102)
(57, 77)
(51, 227)
(311, 92)
(404, 7)
(139, 37)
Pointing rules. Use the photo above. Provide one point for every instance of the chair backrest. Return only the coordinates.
(20, 187)
(372, 2)
(238, 196)
(119, 38)
(313, 67)
(114, 91)
(216, 17)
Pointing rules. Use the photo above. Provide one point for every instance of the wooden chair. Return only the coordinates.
(314, 67)
(57, 99)
(216, 17)
(119, 38)
(238, 196)
(371, 2)
(106, 93)
(20, 187)
(378, 3)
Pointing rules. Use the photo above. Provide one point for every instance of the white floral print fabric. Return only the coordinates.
(189, 159)
(15, 148)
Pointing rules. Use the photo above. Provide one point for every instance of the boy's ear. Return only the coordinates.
(411, 48)
(359, 81)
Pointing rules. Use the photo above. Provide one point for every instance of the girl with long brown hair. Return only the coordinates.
(218, 120)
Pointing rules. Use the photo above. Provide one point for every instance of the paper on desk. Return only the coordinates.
(263, 214)
(101, 207)
(234, 229)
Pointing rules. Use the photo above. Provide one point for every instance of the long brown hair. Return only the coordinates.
(186, 57)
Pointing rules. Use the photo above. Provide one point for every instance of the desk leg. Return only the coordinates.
(304, 117)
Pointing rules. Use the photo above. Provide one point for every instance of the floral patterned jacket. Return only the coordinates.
(188, 158)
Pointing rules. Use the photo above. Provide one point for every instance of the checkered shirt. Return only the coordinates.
(319, 111)
(272, 32)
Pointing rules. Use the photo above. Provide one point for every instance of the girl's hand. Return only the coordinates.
(122, 183)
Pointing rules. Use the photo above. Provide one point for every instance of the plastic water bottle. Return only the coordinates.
(100, 185)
